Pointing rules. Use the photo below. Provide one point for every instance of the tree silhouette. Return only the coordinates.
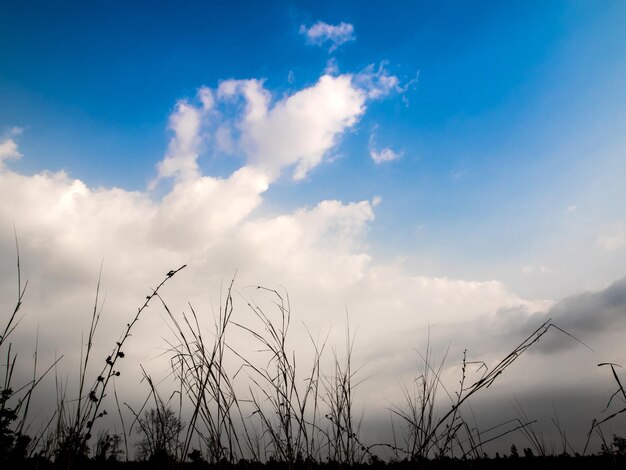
(160, 429)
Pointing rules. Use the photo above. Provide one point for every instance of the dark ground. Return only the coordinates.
(534, 463)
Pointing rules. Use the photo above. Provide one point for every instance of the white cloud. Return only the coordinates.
(198, 212)
(182, 154)
(8, 151)
(297, 130)
(206, 98)
(257, 98)
(322, 33)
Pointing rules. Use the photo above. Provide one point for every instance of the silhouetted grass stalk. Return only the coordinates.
(343, 436)
(287, 413)
(74, 429)
(430, 433)
(15, 403)
(619, 394)
(204, 379)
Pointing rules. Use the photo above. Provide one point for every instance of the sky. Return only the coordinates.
(445, 167)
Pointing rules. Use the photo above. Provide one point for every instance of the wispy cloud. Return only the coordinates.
(384, 155)
(322, 34)
(378, 82)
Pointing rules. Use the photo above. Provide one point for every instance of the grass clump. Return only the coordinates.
(261, 408)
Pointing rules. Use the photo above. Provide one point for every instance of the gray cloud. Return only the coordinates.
(585, 315)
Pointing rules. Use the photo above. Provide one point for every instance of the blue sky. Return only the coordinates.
(505, 123)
